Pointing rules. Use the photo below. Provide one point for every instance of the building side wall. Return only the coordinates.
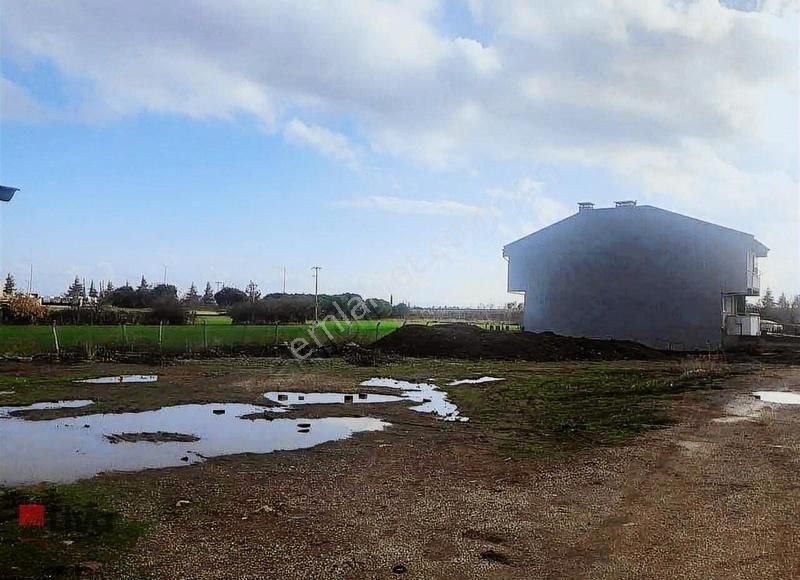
(630, 273)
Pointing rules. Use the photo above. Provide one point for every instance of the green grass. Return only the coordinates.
(565, 410)
(81, 526)
(30, 340)
(212, 319)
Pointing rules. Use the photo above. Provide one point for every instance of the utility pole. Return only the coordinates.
(284, 279)
(219, 284)
(165, 274)
(30, 281)
(316, 293)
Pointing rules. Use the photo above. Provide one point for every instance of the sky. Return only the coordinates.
(398, 145)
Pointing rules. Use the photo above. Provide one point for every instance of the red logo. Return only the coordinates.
(31, 515)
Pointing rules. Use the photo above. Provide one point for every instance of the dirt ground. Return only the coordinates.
(713, 496)
(462, 340)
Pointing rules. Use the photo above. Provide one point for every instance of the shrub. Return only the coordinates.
(23, 309)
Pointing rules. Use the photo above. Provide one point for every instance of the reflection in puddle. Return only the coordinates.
(121, 379)
(780, 397)
(431, 398)
(328, 398)
(67, 449)
(474, 381)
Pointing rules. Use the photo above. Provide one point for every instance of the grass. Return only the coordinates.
(81, 526)
(582, 405)
(31, 340)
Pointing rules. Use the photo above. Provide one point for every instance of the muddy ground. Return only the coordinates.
(598, 492)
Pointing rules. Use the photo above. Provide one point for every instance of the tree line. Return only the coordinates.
(147, 304)
(781, 309)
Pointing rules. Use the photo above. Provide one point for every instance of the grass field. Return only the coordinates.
(31, 340)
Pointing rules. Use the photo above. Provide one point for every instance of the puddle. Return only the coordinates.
(780, 397)
(328, 398)
(431, 398)
(474, 381)
(8, 412)
(67, 449)
(8, 392)
(121, 379)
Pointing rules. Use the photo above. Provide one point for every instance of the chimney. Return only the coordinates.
(585, 205)
(626, 203)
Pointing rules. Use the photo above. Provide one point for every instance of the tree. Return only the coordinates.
(252, 291)
(109, 287)
(123, 297)
(76, 291)
(92, 290)
(143, 285)
(192, 298)
(208, 295)
(161, 294)
(229, 296)
(11, 285)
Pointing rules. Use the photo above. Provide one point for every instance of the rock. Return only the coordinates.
(182, 503)
(184, 458)
(399, 569)
(218, 411)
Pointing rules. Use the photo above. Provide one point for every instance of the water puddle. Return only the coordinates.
(780, 397)
(474, 381)
(431, 399)
(328, 398)
(121, 379)
(8, 412)
(67, 449)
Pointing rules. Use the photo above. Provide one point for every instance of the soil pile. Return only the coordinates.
(468, 341)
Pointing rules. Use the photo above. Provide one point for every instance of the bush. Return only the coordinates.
(23, 309)
(167, 313)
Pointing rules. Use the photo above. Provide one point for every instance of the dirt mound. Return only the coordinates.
(467, 341)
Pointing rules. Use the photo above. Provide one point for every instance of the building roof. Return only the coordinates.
(761, 249)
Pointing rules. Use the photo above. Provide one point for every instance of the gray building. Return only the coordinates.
(638, 273)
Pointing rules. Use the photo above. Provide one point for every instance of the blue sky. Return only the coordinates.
(398, 145)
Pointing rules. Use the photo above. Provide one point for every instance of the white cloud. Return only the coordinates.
(325, 141)
(672, 96)
(411, 206)
(18, 105)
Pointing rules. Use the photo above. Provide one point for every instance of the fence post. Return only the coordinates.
(205, 334)
(160, 332)
(377, 327)
(124, 334)
(55, 340)
(276, 335)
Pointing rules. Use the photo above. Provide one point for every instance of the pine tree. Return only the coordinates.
(192, 297)
(11, 285)
(75, 291)
(208, 295)
(143, 285)
(109, 287)
(92, 290)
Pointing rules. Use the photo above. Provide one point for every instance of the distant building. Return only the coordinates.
(638, 273)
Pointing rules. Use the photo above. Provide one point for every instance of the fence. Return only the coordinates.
(34, 340)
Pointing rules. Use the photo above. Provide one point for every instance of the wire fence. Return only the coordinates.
(35, 340)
